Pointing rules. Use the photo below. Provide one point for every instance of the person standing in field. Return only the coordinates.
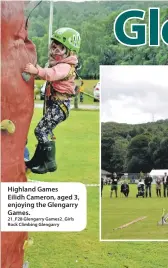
(165, 185)
(148, 183)
(114, 184)
(158, 186)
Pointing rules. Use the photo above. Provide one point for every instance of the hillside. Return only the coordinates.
(94, 21)
(134, 148)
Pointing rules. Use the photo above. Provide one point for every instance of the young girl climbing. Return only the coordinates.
(60, 87)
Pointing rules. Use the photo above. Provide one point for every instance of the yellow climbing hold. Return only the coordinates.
(8, 125)
(28, 243)
(28, 171)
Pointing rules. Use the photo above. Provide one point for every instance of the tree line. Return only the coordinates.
(134, 148)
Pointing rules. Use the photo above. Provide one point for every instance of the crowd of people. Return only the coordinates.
(144, 186)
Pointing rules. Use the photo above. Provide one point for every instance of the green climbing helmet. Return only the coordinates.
(69, 37)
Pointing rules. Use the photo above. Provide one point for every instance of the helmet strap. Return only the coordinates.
(68, 52)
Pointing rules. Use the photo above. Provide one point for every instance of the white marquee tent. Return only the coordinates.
(158, 172)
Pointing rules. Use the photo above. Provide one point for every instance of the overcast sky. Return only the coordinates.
(134, 94)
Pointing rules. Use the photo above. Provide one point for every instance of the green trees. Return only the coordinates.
(95, 20)
(138, 157)
(107, 150)
(160, 156)
(133, 152)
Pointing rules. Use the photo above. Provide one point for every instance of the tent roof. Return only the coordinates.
(158, 172)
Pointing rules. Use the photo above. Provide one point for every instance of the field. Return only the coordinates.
(78, 160)
(83, 250)
(77, 150)
(119, 211)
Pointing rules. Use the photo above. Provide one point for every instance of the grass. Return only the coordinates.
(121, 210)
(83, 249)
(77, 150)
(78, 160)
(88, 88)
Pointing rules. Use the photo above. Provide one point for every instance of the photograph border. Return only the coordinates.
(100, 199)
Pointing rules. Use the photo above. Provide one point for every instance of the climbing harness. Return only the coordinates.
(52, 95)
(72, 72)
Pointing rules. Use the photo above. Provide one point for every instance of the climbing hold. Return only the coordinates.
(26, 77)
(8, 125)
(28, 171)
(27, 243)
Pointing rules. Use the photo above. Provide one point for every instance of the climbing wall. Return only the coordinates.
(17, 101)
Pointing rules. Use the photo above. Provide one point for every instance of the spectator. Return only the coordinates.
(158, 186)
(141, 188)
(148, 181)
(140, 182)
(114, 184)
(125, 188)
(165, 185)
